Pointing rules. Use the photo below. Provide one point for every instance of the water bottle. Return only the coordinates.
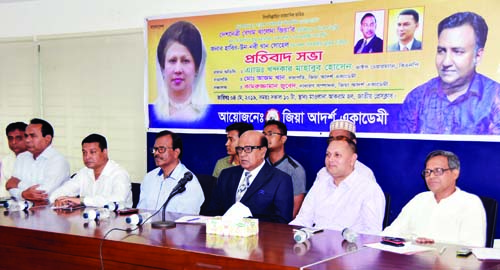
(349, 235)
(95, 214)
(138, 219)
(115, 206)
(301, 235)
(21, 205)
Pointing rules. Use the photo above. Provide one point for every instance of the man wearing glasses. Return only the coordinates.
(158, 183)
(265, 190)
(343, 198)
(276, 134)
(445, 213)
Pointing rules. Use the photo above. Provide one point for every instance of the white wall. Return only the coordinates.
(27, 18)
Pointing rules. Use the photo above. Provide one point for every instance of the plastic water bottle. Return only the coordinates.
(21, 205)
(95, 214)
(301, 235)
(349, 235)
(115, 206)
(138, 219)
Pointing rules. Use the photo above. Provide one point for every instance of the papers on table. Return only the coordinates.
(486, 253)
(408, 248)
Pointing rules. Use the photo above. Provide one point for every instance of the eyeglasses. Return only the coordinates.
(270, 133)
(160, 149)
(248, 149)
(436, 171)
(340, 138)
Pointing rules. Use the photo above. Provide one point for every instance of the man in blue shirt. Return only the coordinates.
(459, 100)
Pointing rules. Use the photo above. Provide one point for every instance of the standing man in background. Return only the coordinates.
(233, 132)
(15, 137)
(40, 170)
(276, 134)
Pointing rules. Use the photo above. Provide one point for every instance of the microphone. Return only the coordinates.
(349, 235)
(179, 188)
(301, 235)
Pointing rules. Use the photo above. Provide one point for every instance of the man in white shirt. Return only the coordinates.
(100, 182)
(343, 198)
(15, 136)
(40, 170)
(159, 183)
(444, 214)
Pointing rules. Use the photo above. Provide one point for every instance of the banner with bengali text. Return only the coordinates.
(307, 66)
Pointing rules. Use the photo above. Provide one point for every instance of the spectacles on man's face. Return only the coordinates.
(248, 149)
(160, 149)
(270, 133)
(436, 171)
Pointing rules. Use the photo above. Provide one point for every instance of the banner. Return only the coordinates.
(380, 64)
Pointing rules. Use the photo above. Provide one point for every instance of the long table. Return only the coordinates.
(43, 238)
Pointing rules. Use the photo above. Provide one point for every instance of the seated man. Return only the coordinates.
(40, 170)
(15, 136)
(445, 213)
(100, 182)
(265, 190)
(276, 134)
(159, 183)
(344, 198)
(233, 132)
(346, 128)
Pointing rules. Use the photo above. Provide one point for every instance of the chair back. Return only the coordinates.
(208, 183)
(490, 207)
(385, 223)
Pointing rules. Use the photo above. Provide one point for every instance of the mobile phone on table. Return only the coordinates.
(393, 241)
(464, 252)
(128, 211)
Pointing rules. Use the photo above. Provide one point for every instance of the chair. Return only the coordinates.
(385, 223)
(208, 183)
(490, 207)
(136, 192)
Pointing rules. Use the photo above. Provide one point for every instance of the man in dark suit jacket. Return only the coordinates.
(268, 192)
(407, 24)
(370, 43)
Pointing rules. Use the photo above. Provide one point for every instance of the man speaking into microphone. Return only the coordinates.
(159, 183)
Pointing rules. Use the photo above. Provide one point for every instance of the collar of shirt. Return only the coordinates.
(176, 173)
(475, 88)
(348, 182)
(409, 45)
(277, 162)
(47, 153)
(253, 173)
(450, 199)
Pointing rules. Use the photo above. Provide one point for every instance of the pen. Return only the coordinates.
(193, 219)
(443, 249)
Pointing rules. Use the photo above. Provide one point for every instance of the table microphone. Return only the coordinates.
(179, 188)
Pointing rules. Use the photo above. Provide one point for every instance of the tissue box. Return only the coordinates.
(236, 227)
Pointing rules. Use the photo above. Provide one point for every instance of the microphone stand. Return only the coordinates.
(165, 224)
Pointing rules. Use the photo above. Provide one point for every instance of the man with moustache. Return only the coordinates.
(370, 43)
(233, 132)
(265, 190)
(159, 183)
(41, 169)
(100, 182)
(344, 198)
(445, 214)
(459, 100)
(15, 137)
(407, 25)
